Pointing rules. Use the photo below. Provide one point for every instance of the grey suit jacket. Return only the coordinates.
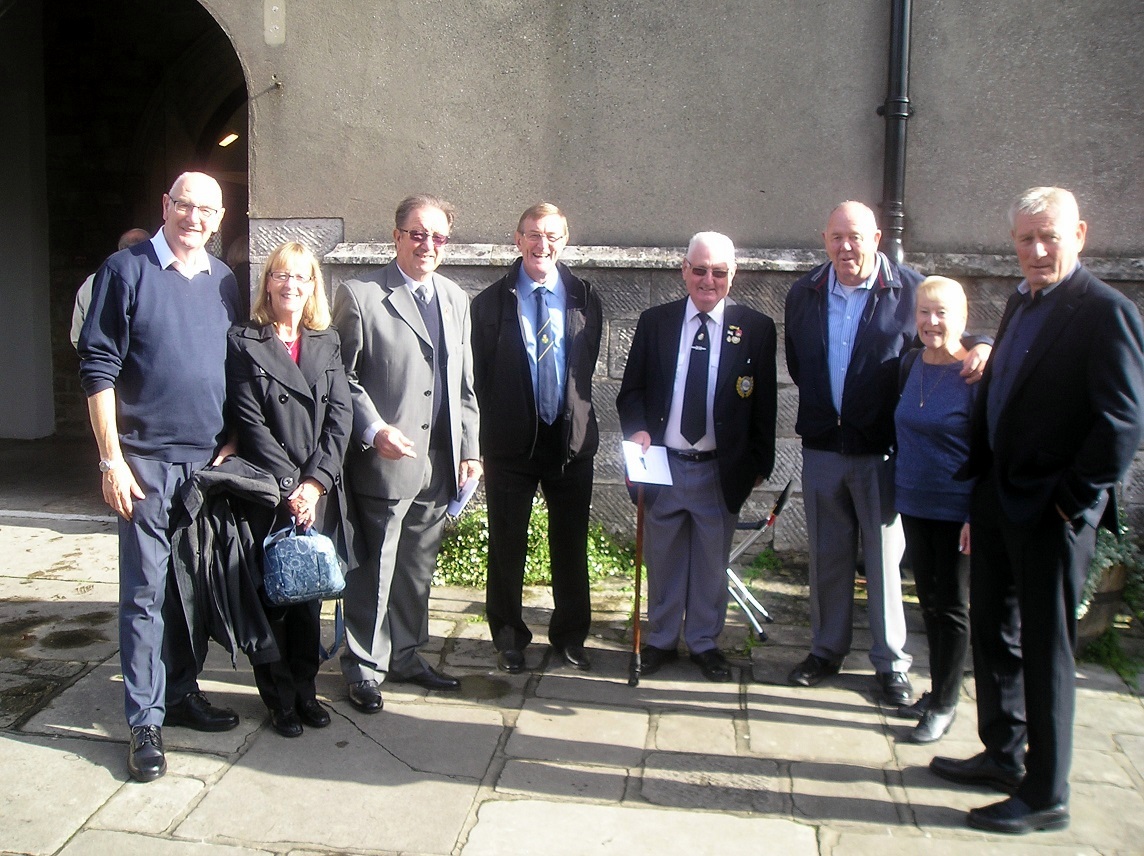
(389, 365)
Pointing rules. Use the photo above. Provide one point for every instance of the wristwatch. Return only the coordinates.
(107, 465)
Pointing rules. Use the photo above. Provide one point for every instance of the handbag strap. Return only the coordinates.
(339, 634)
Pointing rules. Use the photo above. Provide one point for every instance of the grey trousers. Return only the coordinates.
(687, 542)
(846, 495)
(386, 599)
(154, 642)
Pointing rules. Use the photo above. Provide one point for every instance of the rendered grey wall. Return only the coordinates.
(648, 121)
(1025, 92)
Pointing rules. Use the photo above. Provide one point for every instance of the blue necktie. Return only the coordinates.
(693, 419)
(547, 402)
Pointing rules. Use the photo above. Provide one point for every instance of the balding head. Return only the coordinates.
(132, 237)
(192, 212)
(851, 240)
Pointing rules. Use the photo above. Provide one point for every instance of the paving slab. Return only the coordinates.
(538, 828)
(338, 788)
(553, 731)
(820, 725)
(843, 794)
(102, 843)
(93, 706)
(689, 731)
(52, 787)
(545, 779)
(716, 782)
(675, 687)
(438, 739)
(1133, 748)
(150, 810)
(903, 843)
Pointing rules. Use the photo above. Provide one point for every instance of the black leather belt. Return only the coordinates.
(694, 457)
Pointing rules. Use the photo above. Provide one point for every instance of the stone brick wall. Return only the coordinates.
(632, 279)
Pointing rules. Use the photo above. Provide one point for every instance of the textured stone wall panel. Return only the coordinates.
(319, 234)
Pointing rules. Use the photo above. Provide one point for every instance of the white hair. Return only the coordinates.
(716, 241)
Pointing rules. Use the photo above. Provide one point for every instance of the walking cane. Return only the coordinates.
(634, 668)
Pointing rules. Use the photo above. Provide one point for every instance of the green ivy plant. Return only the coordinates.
(463, 559)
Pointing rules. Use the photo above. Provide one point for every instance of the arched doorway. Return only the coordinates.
(133, 93)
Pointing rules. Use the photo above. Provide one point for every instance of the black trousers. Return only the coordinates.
(942, 577)
(297, 630)
(510, 485)
(1025, 582)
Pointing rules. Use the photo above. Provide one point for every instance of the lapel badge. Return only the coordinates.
(734, 335)
(744, 385)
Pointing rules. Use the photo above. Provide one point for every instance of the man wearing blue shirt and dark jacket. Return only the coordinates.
(536, 337)
(847, 323)
(152, 363)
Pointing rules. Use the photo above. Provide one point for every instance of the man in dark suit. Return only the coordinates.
(536, 336)
(700, 379)
(405, 344)
(1056, 425)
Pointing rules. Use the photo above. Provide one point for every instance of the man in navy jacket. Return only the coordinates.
(719, 448)
(847, 323)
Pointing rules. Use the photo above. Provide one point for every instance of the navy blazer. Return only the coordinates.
(746, 397)
(1073, 421)
(503, 379)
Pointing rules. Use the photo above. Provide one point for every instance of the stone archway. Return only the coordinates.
(132, 94)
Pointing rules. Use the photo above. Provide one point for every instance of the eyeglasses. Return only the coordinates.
(184, 208)
(284, 276)
(716, 273)
(551, 237)
(418, 236)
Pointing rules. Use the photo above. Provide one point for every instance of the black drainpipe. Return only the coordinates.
(896, 111)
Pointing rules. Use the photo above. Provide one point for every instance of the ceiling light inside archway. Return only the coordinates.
(227, 140)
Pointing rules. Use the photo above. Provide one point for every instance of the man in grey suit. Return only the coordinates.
(408, 356)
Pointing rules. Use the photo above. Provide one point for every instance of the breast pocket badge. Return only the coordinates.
(745, 385)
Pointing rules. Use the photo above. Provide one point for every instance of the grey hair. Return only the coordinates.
(1037, 200)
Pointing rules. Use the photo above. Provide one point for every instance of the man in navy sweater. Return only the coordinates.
(152, 363)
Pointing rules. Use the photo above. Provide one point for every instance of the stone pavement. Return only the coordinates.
(549, 762)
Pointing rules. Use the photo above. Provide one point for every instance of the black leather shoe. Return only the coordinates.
(713, 665)
(576, 656)
(918, 709)
(430, 679)
(652, 658)
(511, 660)
(366, 696)
(194, 711)
(978, 770)
(813, 671)
(1014, 817)
(935, 724)
(145, 759)
(895, 687)
(286, 723)
(311, 712)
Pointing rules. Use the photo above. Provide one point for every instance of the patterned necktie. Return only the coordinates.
(423, 292)
(693, 419)
(547, 404)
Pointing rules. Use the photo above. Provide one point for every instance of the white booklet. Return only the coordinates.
(648, 467)
(456, 506)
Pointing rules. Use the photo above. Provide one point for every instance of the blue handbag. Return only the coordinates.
(300, 565)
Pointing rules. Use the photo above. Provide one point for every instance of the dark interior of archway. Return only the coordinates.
(135, 92)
